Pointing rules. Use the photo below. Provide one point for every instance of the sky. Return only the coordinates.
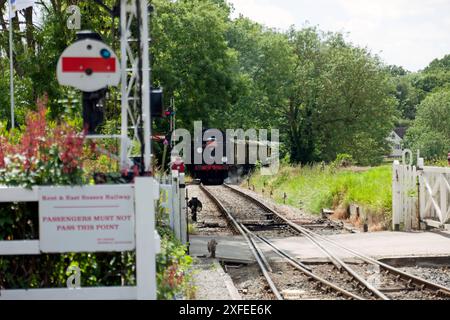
(408, 33)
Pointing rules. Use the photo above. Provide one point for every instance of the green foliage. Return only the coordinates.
(343, 160)
(305, 83)
(191, 59)
(408, 95)
(439, 65)
(323, 93)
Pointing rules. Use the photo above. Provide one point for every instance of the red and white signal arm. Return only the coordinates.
(88, 65)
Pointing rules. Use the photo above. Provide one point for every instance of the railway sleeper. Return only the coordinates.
(256, 222)
(320, 226)
(257, 227)
(395, 289)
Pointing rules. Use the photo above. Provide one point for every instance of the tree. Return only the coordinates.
(266, 64)
(191, 58)
(323, 94)
(357, 102)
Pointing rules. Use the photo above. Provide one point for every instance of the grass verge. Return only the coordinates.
(317, 187)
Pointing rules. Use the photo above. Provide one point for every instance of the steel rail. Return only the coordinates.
(307, 271)
(422, 283)
(406, 276)
(338, 262)
(282, 253)
(253, 247)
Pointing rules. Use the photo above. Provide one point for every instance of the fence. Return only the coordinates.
(420, 196)
(173, 201)
(146, 243)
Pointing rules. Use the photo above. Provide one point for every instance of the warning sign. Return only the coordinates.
(86, 219)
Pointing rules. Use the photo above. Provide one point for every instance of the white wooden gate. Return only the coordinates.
(404, 196)
(146, 192)
(420, 195)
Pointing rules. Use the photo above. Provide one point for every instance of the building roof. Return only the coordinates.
(401, 131)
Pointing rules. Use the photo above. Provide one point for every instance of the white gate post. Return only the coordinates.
(443, 194)
(396, 196)
(422, 195)
(146, 193)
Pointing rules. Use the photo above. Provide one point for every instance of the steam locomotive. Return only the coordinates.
(213, 165)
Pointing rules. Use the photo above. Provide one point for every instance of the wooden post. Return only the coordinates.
(186, 200)
(284, 198)
(396, 198)
(418, 201)
(422, 195)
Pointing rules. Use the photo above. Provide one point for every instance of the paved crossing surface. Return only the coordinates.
(377, 245)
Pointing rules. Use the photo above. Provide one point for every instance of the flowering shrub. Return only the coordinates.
(42, 155)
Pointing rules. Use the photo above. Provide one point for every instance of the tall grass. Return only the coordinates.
(317, 187)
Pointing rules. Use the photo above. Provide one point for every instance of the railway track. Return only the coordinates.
(257, 222)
